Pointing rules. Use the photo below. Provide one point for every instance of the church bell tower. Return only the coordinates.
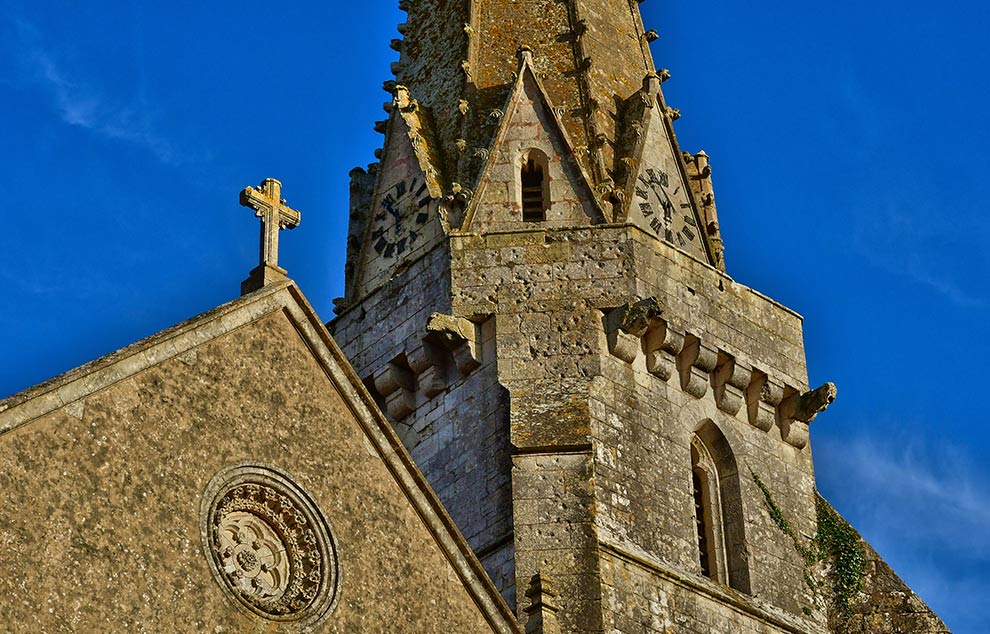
(537, 299)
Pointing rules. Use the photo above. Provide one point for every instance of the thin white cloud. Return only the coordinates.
(924, 504)
(908, 238)
(926, 492)
(85, 105)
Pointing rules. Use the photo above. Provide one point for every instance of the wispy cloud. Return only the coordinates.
(924, 504)
(86, 104)
(913, 239)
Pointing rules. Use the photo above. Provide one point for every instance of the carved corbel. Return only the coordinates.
(762, 398)
(426, 363)
(626, 325)
(622, 345)
(695, 363)
(730, 379)
(395, 384)
(662, 343)
(457, 335)
(797, 410)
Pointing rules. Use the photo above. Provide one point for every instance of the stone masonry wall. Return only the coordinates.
(576, 405)
(447, 411)
(100, 530)
(647, 600)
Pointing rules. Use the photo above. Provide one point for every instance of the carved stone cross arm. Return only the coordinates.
(267, 202)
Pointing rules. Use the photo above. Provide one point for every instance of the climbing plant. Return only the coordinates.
(835, 543)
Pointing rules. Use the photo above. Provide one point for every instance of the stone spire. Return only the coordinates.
(589, 54)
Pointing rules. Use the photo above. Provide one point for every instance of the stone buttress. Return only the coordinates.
(536, 297)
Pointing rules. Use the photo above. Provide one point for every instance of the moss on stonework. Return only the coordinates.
(839, 545)
(835, 544)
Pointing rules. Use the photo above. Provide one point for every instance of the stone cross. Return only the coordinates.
(267, 202)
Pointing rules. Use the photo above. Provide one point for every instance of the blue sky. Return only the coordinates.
(850, 149)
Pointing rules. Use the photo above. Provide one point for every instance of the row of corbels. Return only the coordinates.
(425, 363)
(642, 327)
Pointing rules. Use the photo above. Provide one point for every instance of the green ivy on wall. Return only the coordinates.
(835, 544)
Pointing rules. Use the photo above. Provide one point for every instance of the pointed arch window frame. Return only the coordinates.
(714, 464)
(534, 185)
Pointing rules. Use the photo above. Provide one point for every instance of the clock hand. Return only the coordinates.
(390, 209)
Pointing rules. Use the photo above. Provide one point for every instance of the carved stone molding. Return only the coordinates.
(669, 349)
(269, 546)
(695, 362)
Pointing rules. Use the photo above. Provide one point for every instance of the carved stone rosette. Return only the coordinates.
(269, 546)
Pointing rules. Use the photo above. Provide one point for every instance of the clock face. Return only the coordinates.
(402, 211)
(665, 206)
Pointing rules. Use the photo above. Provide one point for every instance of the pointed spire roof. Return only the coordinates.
(589, 55)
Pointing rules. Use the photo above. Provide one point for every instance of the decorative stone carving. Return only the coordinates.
(662, 345)
(633, 318)
(622, 346)
(797, 410)
(457, 335)
(268, 204)
(269, 546)
(762, 398)
(695, 362)
(730, 379)
(396, 385)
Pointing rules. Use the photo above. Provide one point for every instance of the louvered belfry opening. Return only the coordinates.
(702, 525)
(535, 187)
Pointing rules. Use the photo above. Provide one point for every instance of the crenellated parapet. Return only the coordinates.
(673, 353)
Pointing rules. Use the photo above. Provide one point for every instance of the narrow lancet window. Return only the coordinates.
(704, 477)
(535, 187)
(701, 524)
(718, 514)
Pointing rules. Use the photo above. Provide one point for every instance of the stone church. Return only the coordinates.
(542, 406)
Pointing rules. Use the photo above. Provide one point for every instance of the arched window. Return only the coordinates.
(718, 515)
(535, 186)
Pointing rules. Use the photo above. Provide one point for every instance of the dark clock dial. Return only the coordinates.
(666, 207)
(402, 210)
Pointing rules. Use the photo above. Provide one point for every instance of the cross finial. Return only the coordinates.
(267, 202)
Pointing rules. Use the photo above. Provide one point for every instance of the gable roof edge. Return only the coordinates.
(400, 463)
(79, 383)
